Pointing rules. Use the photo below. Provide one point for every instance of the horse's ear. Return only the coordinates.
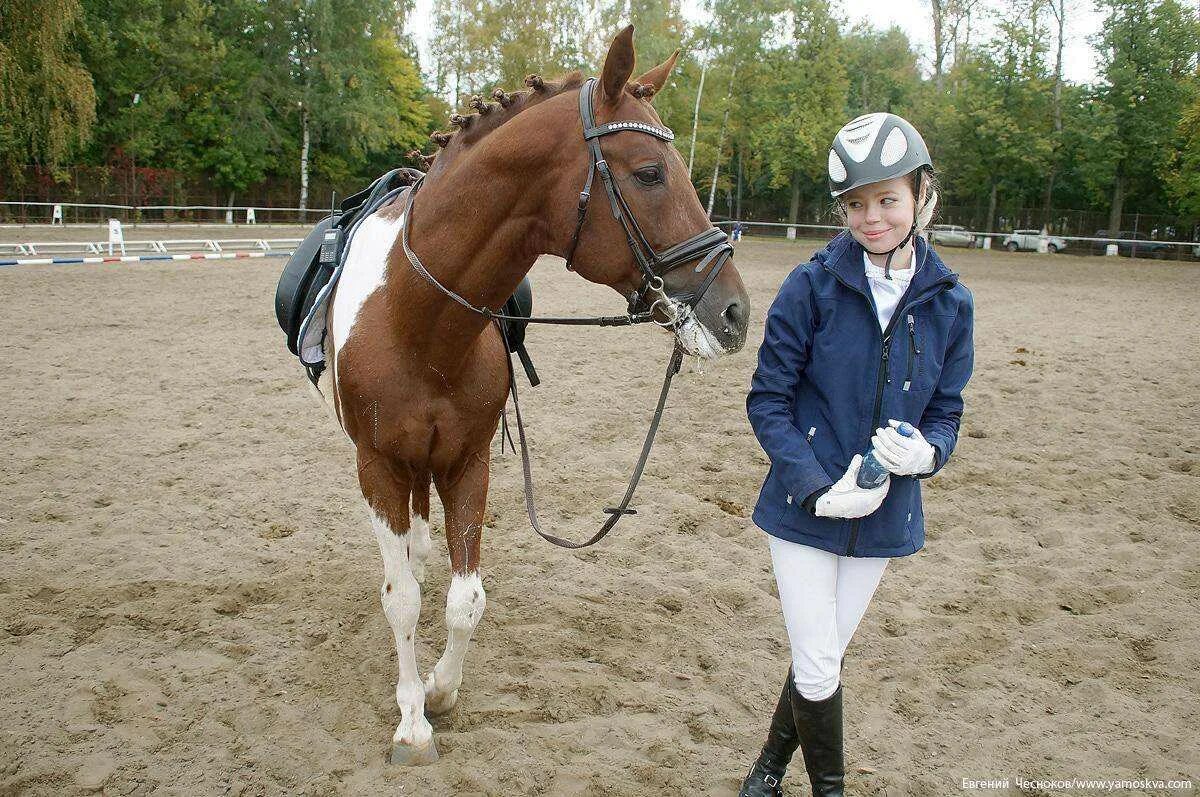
(657, 77)
(618, 65)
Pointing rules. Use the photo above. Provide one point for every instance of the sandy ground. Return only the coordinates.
(189, 587)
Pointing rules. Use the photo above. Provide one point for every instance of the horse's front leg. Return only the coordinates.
(386, 485)
(464, 496)
(418, 532)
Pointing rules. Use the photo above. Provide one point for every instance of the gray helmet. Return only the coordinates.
(874, 147)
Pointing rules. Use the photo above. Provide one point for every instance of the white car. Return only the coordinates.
(1028, 239)
(951, 235)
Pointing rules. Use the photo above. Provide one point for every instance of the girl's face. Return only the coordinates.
(880, 215)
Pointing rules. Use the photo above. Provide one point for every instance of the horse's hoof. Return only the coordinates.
(406, 755)
(440, 702)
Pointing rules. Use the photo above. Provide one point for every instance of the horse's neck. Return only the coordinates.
(478, 238)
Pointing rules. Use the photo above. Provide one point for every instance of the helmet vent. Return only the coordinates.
(894, 147)
(837, 169)
(859, 136)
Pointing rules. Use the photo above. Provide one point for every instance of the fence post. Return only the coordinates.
(115, 236)
(57, 217)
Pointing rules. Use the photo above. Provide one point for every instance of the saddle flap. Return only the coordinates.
(294, 294)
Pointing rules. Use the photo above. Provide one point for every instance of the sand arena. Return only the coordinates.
(189, 587)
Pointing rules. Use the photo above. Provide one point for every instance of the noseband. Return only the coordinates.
(710, 247)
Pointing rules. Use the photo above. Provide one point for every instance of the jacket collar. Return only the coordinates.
(843, 257)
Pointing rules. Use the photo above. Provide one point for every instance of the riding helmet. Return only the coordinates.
(875, 147)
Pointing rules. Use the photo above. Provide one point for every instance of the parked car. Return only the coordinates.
(1145, 247)
(1028, 239)
(951, 235)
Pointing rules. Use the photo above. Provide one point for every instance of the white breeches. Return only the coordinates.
(824, 596)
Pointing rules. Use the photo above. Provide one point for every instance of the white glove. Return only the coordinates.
(902, 456)
(846, 499)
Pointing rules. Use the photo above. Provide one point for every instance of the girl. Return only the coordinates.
(872, 332)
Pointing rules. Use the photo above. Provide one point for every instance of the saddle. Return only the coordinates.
(311, 272)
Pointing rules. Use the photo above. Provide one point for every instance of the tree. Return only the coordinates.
(802, 105)
(488, 43)
(47, 101)
(1147, 51)
(1183, 171)
(351, 86)
(882, 71)
(995, 126)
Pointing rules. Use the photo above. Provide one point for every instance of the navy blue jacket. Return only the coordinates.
(827, 378)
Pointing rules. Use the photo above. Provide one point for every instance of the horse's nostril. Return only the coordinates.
(736, 313)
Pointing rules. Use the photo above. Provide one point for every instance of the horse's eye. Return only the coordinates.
(651, 175)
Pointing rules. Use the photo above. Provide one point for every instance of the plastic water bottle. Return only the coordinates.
(872, 473)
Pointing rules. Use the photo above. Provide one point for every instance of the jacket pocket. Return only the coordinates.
(922, 366)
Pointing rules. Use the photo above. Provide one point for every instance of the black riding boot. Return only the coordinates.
(766, 775)
(819, 723)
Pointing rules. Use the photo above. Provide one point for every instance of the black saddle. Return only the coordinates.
(314, 262)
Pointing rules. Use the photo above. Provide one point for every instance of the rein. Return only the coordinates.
(711, 247)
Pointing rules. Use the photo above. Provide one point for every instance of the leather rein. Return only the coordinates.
(711, 247)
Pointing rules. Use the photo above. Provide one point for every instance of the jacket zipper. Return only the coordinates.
(913, 351)
(879, 383)
(886, 335)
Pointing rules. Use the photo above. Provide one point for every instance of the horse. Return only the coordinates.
(418, 381)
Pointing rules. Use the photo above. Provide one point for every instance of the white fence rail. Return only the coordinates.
(23, 212)
(164, 246)
(1139, 247)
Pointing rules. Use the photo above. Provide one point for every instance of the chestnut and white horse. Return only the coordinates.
(418, 382)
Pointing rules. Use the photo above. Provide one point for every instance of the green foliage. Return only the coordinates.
(1183, 169)
(1148, 51)
(484, 44)
(882, 72)
(218, 88)
(228, 90)
(803, 101)
(996, 125)
(47, 102)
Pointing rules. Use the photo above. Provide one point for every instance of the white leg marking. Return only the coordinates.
(465, 601)
(422, 544)
(401, 596)
(363, 274)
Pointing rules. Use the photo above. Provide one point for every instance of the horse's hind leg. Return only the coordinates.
(386, 488)
(419, 532)
(463, 498)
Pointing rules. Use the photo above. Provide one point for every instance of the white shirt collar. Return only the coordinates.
(902, 275)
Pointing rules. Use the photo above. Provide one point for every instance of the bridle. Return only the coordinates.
(711, 247)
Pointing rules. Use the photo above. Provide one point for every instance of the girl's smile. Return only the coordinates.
(880, 215)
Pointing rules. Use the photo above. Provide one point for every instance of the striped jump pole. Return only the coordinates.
(62, 261)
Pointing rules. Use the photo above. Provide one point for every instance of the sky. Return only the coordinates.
(912, 16)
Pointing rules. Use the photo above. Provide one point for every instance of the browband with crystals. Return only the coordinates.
(640, 127)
